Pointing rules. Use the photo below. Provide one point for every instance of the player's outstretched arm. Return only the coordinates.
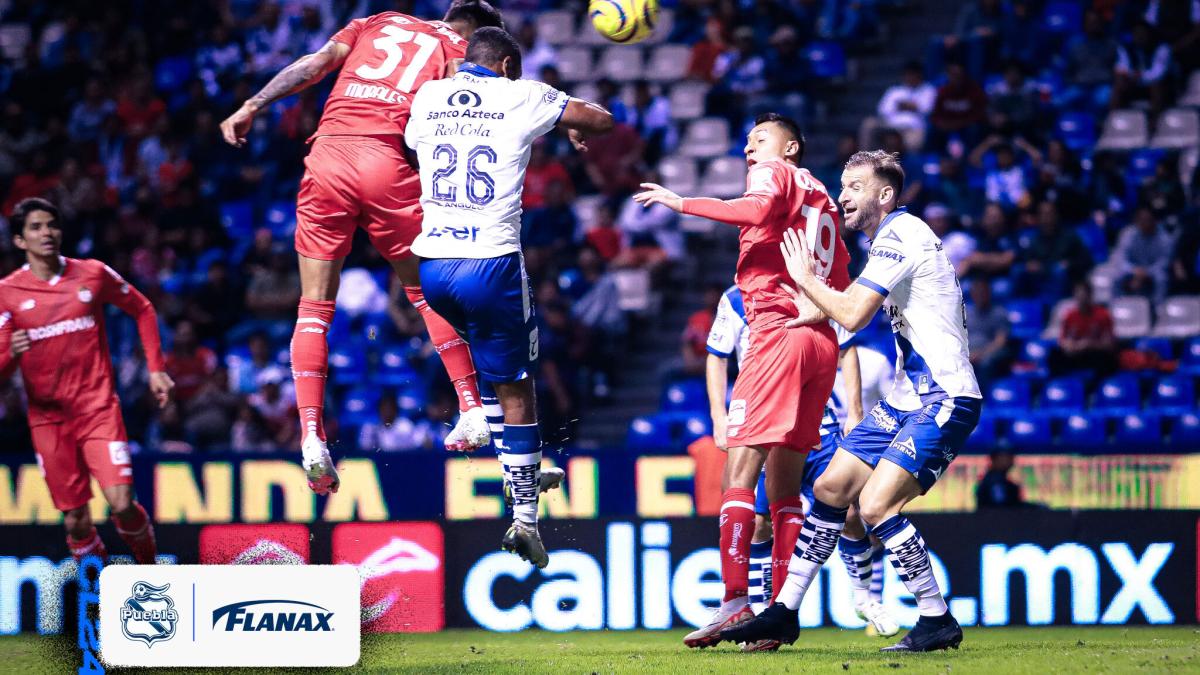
(852, 309)
(584, 119)
(303, 73)
(749, 209)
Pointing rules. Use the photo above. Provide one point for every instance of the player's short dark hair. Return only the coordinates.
(27, 206)
(885, 165)
(489, 46)
(478, 12)
(788, 124)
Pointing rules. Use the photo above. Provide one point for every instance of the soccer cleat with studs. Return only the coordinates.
(930, 634)
(776, 622)
(879, 622)
(524, 540)
(318, 466)
(730, 613)
(471, 432)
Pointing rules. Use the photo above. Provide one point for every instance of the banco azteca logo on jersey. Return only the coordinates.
(149, 614)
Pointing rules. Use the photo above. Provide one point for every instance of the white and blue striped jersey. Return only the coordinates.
(925, 306)
(730, 334)
(472, 134)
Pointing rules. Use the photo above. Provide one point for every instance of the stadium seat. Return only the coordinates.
(14, 38)
(1178, 317)
(1054, 325)
(679, 174)
(1025, 317)
(348, 362)
(687, 100)
(1124, 130)
(359, 406)
(1185, 431)
(662, 27)
(1173, 395)
(1096, 240)
(1178, 128)
(575, 64)
(281, 218)
(1009, 397)
(585, 208)
(685, 396)
(1156, 345)
(1104, 281)
(1077, 130)
(1083, 431)
(984, 435)
(725, 177)
(1030, 430)
(1002, 289)
(1063, 395)
(1037, 354)
(1063, 17)
(393, 368)
(621, 63)
(1142, 431)
(1190, 361)
(1118, 395)
(1142, 165)
(706, 137)
(237, 218)
(634, 292)
(692, 427)
(557, 27)
(650, 432)
(1131, 317)
(1191, 97)
(668, 63)
(826, 60)
(172, 73)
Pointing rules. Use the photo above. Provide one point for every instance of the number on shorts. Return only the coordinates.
(389, 43)
(821, 233)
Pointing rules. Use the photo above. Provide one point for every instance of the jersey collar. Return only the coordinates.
(477, 70)
(889, 218)
(62, 269)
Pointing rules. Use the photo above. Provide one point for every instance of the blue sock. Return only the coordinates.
(760, 574)
(520, 453)
(877, 556)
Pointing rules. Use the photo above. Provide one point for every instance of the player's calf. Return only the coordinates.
(135, 529)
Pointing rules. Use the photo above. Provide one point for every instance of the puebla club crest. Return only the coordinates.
(85, 294)
(149, 614)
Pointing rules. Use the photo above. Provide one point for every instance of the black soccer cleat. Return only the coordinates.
(776, 622)
(929, 635)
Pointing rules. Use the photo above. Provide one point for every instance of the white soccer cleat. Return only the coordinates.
(729, 614)
(318, 466)
(470, 433)
(877, 618)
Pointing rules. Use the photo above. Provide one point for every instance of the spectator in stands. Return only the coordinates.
(1005, 181)
(1163, 192)
(958, 111)
(548, 229)
(956, 244)
(1023, 36)
(613, 161)
(1143, 66)
(1052, 258)
(906, 106)
(741, 78)
(1143, 256)
(219, 61)
(953, 190)
(891, 141)
(1013, 102)
(788, 82)
(139, 109)
(243, 373)
(189, 363)
(543, 170)
(694, 340)
(995, 250)
(988, 333)
(535, 50)
(87, 117)
(598, 309)
(830, 172)
(249, 432)
(995, 489)
(1087, 340)
(1105, 187)
(703, 59)
(216, 305)
(650, 236)
(1090, 59)
(1185, 263)
(38, 180)
(651, 118)
(276, 410)
(274, 290)
(977, 33)
(391, 432)
(1058, 180)
(608, 94)
(603, 235)
(561, 343)
(1178, 23)
(209, 415)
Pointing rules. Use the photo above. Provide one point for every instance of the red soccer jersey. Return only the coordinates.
(67, 370)
(778, 196)
(391, 56)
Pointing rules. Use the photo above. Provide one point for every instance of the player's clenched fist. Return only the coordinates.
(20, 342)
(161, 385)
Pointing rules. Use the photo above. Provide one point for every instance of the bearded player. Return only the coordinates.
(779, 397)
(52, 328)
(357, 176)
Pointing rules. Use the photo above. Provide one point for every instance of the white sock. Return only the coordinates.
(817, 541)
(907, 553)
(856, 556)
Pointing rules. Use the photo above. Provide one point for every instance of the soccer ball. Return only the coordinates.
(624, 21)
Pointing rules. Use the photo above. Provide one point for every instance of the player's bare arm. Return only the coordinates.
(583, 120)
(301, 74)
(852, 309)
(852, 379)
(716, 380)
(749, 209)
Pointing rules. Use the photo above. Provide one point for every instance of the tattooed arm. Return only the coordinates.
(300, 75)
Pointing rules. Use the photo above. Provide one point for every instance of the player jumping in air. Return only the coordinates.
(729, 335)
(472, 134)
(357, 176)
(779, 398)
(905, 444)
(52, 328)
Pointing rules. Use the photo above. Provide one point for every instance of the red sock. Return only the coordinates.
(92, 544)
(737, 529)
(310, 363)
(138, 534)
(453, 350)
(787, 519)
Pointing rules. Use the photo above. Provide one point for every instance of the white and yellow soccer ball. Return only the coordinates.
(624, 21)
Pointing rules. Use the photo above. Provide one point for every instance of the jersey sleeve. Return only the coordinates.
(763, 186)
(349, 34)
(726, 330)
(544, 106)
(415, 128)
(887, 266)
(116, 291)
(7, 362)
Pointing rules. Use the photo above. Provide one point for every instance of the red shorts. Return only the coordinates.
(357, 181)
(92, 444)
(780, 394)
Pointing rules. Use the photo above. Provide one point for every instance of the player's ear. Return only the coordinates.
(792, 149)
(19, 242)
(886, 194)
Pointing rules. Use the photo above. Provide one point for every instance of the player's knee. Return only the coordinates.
(875, 508)
(121, 504)
(78, 522)
(829, 491)
(762, 527)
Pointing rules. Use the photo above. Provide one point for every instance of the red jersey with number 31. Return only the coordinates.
(391, 56)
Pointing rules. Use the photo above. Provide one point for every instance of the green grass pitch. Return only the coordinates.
(1039, 651)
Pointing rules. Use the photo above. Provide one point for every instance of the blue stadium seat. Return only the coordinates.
(984, 435)
(411, 401)
(1185, 432)
(377, 328)
(1077, 130)
(1009, 397)
(1064, 17)
(1118, 395)
(1173, 395)
(685, 396)
(359, 406)
(1063, 395)
(1002, 289)
(172, 73)
(393, 368)
(1095, 239)
(281, 218)
(348, 362)
(1158, 345)
(238, 218)
(1029, 431)
(1083, 431)
(650, 432)
(1190, 361)
(826, 60)
(1026, 317)
(692, 427)
(1142, 431)
(1037, 353)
